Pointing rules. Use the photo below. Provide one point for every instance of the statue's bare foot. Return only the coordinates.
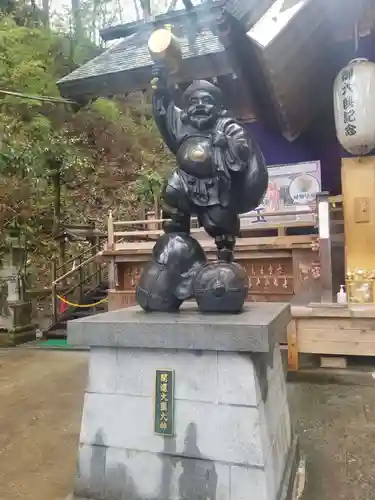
(225, 245)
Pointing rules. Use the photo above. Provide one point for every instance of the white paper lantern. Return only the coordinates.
(354, 102)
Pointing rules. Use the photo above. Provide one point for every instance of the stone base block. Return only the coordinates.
(15, 315)
(16, 323)
(232, 437)
(232, 427)
(19, 336)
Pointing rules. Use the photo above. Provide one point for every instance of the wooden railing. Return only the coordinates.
(261, 232)
(86, 274)
(253, 222)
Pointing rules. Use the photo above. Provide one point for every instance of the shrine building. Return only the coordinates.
(286, 70)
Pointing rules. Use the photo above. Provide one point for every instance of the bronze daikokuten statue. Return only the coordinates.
(220, 174)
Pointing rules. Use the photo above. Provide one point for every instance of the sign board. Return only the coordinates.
(291, 188)
(164, 402)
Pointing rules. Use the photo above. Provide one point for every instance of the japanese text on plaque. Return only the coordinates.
(164, 402)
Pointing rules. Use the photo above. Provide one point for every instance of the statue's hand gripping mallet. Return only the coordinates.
(165, 51)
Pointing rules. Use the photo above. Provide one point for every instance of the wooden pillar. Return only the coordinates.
(152, 216)
(325, 248)
(110, 231)
(111, 246)
(358, 189)
(293, 353)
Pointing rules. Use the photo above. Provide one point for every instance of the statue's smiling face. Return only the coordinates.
(201, 109)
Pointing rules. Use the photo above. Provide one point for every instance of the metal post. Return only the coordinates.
(53, 289)
(99, 275)
(80, 279)
(97, 265)
(54, 302)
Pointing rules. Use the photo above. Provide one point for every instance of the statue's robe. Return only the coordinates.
(240, 174)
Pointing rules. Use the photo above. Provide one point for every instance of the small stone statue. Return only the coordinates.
(220, 174)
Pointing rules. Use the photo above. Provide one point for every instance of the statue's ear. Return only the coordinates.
(184, 118)
(223, 113)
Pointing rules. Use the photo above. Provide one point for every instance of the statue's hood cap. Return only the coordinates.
(207, 87)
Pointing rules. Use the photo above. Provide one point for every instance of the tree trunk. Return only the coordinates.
(119, 8)
(46, 14)
(146, 8)
(135, 2)
(172, 5)
(56, 179)
(77, 19)
(157, 206)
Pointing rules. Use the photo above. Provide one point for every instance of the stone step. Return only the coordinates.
(82, 313)
(74, 497)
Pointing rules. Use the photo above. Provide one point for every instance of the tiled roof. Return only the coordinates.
(129, 60)
(132, 52)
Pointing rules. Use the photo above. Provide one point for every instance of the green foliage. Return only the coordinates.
(26, 57)
(23, 13)
(148, 186)
(108, 155)
(109, 110)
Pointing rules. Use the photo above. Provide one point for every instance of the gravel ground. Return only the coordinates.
(40, 409)
(336, 425)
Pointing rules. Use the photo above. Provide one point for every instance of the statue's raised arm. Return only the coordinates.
(166, 114)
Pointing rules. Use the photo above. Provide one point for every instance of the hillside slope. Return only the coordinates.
(99, 151)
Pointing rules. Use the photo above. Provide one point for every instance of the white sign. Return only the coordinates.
(291, 187)
(303, 189)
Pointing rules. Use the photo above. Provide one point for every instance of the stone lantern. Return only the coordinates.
(15, 310)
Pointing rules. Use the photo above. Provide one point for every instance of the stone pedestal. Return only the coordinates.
(232, 435)
(15, 312)
(16, 324)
